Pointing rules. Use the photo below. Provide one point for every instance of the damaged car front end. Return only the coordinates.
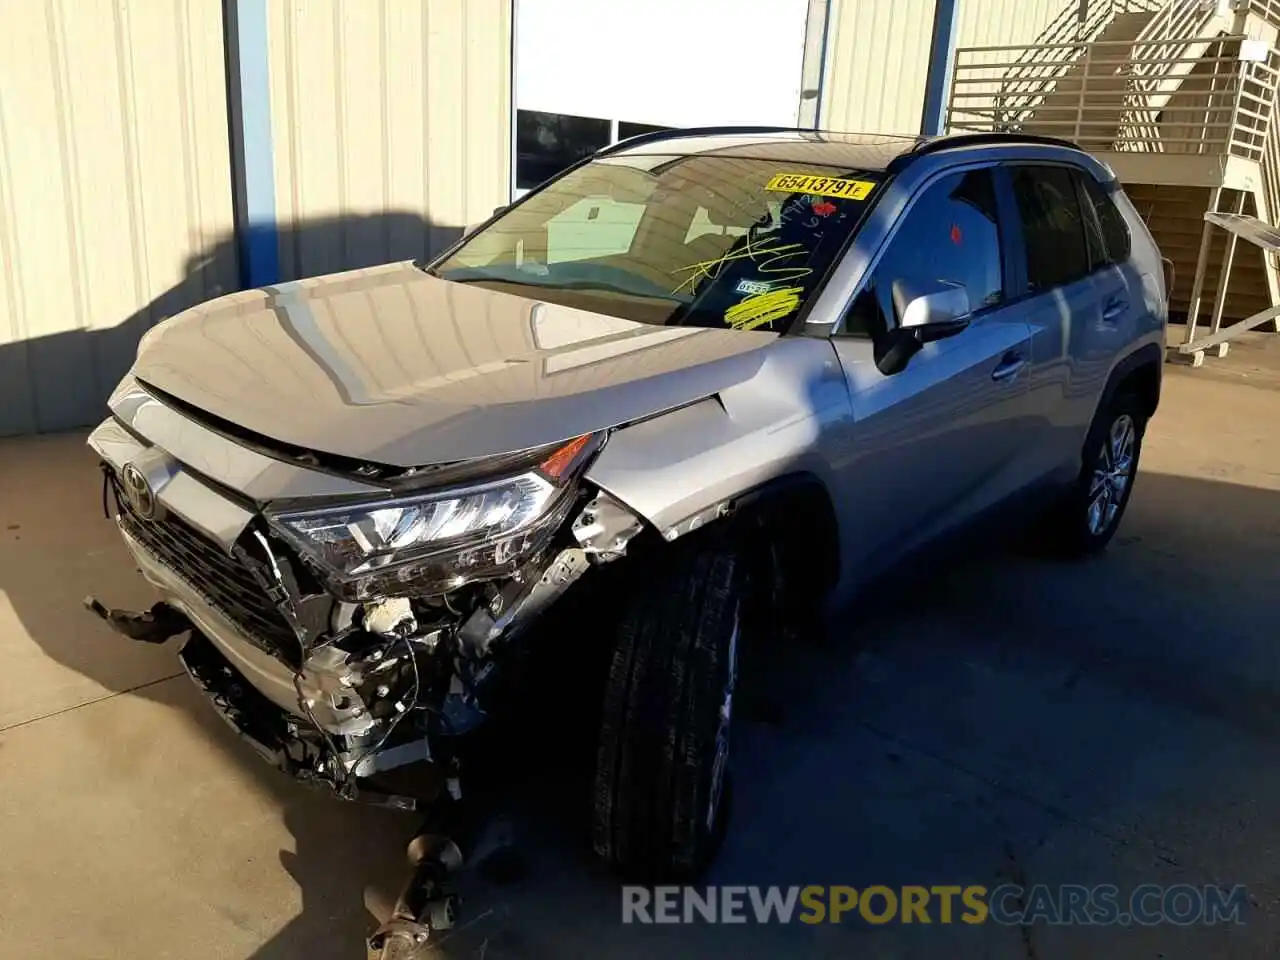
(347, 636)
(363, 497)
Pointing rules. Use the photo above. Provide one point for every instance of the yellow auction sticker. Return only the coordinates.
(820, 186)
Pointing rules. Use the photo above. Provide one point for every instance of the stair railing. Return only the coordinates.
(1033, 73)
(1025, 79)
(1222, 104)
(1271, 176)
(1268, 10)
(1161, 52)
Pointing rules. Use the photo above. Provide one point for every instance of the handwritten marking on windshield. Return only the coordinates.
(762, 308)
(767, 259)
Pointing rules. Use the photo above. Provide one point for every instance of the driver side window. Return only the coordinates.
(949, 235)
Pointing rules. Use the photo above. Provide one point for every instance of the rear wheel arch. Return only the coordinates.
(1139, 373)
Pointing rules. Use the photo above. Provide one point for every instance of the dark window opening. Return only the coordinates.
(548, 143)
(627, 129)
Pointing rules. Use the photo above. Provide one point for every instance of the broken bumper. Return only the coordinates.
(286, 744)
(258, 721)
(200, 528)
(273, 678)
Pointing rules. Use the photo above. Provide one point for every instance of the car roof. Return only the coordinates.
(866, 151)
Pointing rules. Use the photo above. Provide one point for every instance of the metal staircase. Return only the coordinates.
(1178, 98)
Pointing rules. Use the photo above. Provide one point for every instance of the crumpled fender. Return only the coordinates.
(681, 469)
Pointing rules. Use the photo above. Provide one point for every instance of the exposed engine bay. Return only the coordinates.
(381, 681)
(388, 669)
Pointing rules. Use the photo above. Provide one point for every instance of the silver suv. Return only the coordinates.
(728, 375)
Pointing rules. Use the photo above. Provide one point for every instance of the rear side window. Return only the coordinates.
(1115, 242)
(949, 235)
(1053, 227)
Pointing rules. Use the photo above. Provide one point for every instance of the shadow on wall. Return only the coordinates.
(62, 380)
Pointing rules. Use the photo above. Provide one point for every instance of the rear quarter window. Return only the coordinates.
(1053, 226)
(1116, 242)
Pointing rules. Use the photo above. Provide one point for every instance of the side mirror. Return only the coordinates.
(938, 311)
(932, 314)
(499, 209)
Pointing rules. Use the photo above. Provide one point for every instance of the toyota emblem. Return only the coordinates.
(137, 490)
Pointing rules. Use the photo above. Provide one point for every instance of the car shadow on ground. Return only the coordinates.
(961, 726)
(970, 722)
(985, 724)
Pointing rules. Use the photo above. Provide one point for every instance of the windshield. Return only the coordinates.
(698, 240)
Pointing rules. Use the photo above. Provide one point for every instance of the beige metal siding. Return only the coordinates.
(876, 62)
(391, 125)
(115, 197)
(877, 59)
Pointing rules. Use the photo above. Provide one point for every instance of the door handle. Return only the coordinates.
(1115, 306)
(1009, 366)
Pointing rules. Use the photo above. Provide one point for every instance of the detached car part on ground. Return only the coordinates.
(745, 372)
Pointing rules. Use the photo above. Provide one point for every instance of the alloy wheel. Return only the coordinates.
(1112, 474)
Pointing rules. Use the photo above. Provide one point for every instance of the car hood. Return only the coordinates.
(393, 366)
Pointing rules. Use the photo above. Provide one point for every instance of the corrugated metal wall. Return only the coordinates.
(391, 125)
(115, 195)
(391, 130)
(876, 62)
(877, 56)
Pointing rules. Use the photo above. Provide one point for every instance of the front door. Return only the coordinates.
(940, 440)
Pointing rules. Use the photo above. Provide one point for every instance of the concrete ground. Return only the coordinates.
(1019, 720)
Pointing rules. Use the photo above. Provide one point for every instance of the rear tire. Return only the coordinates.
(1090, 513)
(661, 783)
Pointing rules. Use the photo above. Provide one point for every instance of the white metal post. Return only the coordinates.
(1202, 263)
(1224, 279)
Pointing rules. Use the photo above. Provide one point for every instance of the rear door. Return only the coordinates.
(938, 441)
(1069, 298)
(1121, 300)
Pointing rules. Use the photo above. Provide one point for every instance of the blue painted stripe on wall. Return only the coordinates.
(942, 58)
(822, 65)
(251, 136)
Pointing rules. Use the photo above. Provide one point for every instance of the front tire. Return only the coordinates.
(1091, 512)
(661, 792)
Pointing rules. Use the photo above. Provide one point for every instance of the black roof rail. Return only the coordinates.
(954, 141)
(675, 133)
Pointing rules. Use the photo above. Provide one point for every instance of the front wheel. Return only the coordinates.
(662, 782)
(1090, 514)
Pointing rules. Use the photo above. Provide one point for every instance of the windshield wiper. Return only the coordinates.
(587, 285)
(519, 283)
(606, 287)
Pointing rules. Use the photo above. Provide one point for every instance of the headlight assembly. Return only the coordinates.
(437, 541)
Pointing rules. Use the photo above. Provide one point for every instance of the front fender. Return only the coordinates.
(681, 469)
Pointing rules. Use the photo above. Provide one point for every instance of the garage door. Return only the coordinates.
(588, 73)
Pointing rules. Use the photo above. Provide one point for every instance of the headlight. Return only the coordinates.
(436, 541)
